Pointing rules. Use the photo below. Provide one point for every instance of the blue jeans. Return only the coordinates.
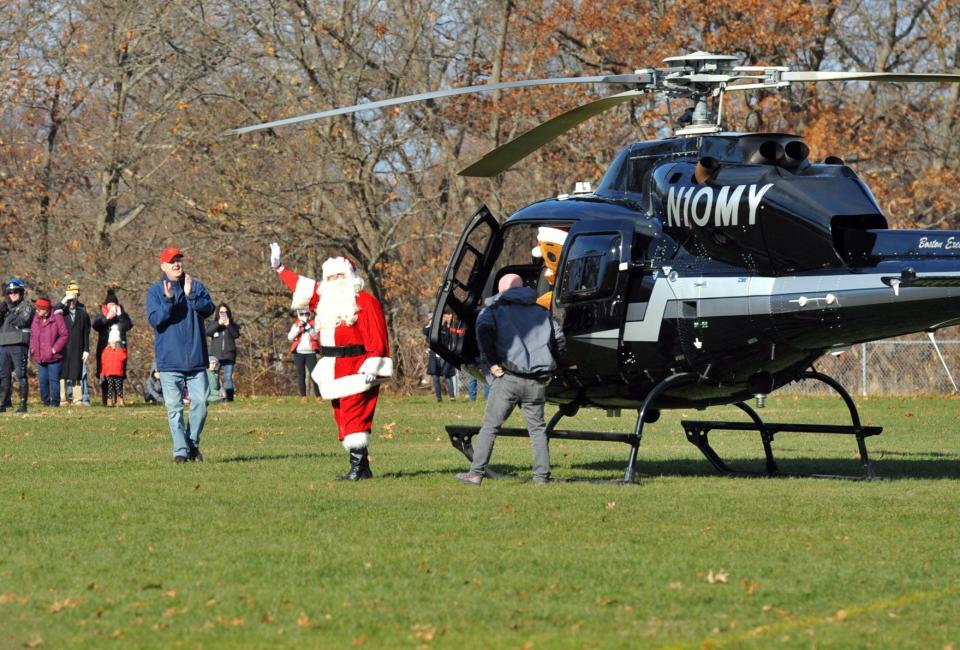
(436, 387)
(186, 439)
(84, 387)
(48, 376)
(227, 375)
(472, 389)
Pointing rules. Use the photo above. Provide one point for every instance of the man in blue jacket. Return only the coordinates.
(520, 342)
(176, 308)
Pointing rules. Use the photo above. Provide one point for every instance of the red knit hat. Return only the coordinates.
(42, 303)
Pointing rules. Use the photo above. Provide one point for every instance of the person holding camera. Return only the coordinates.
(112, 318)
(223, 334)
(304, 348)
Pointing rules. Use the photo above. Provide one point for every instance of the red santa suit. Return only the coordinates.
(355, 358)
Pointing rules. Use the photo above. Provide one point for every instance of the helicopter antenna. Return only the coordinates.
(699, 76)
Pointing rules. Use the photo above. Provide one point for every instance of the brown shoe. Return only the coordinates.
(179, 460)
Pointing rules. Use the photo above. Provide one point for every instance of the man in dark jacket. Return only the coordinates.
(112, 314)
(15, 319)
(520, 342)
(176, 308)
(78, 346)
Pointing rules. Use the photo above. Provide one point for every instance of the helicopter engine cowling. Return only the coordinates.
(760, 203)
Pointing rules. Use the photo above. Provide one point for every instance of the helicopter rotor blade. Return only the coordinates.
(447, 92)
(914, 77)
(501, 158)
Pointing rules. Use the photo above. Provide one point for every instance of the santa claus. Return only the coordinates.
(354, 353)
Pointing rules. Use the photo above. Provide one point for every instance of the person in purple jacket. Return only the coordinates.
(48, 338)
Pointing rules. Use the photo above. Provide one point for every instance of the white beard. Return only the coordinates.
(338, 303)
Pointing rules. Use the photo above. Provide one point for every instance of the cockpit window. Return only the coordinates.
(590, 271)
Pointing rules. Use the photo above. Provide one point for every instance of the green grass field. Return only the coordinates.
(106, 543)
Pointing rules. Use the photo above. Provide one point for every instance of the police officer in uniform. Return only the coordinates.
(16, 315)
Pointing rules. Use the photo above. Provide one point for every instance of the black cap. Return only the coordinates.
(111, 297)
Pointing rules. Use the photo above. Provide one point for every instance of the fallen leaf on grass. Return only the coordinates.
(389, 427)
(359, 641)
(717, 577)
(170, 594)
(66, 603)
(840, 615)
(266, 619)
(231, 622)
(211, 602)
(10, 598)
(424, 632)
(749, 585)
(611, 505)
(34, 643)
(303, 621)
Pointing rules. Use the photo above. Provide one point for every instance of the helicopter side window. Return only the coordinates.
(591, 268)
(470, 261)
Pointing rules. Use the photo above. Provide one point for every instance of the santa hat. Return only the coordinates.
(337, 265)
(549, 235)
(114, 335)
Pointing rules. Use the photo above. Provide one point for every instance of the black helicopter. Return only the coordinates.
(706, 268)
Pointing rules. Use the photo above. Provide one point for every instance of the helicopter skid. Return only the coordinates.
(461, 438)
(698, 430)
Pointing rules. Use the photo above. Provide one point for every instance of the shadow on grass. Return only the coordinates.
(884, 467)
(248, 458)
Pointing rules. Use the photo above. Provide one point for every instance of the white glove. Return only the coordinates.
(86, 355)
(275, 255)
(369, 378)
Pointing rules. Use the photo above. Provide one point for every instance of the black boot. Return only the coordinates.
(229, 394)
(359, 466)
(365, 465)
(23, 396)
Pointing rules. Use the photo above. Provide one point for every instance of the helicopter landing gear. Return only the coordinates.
(680, 378)
(698, 430)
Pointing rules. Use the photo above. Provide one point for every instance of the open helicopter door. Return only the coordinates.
(451, 330)
(590, 295)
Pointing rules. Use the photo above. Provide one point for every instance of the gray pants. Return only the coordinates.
(507, 392)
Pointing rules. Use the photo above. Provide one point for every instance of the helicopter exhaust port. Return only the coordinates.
(795, 153)
(769, 152)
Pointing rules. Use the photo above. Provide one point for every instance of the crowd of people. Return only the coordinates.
(56, 337)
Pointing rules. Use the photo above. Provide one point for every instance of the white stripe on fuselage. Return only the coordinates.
(695, 288)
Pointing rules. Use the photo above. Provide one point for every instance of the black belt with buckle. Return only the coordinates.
(342, 350)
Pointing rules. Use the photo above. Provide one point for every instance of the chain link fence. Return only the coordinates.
(904, 366)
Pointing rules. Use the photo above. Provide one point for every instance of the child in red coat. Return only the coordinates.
(113, 365)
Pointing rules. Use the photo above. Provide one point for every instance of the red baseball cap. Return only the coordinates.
(168, 254)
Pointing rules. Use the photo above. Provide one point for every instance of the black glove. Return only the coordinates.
(4, 307)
